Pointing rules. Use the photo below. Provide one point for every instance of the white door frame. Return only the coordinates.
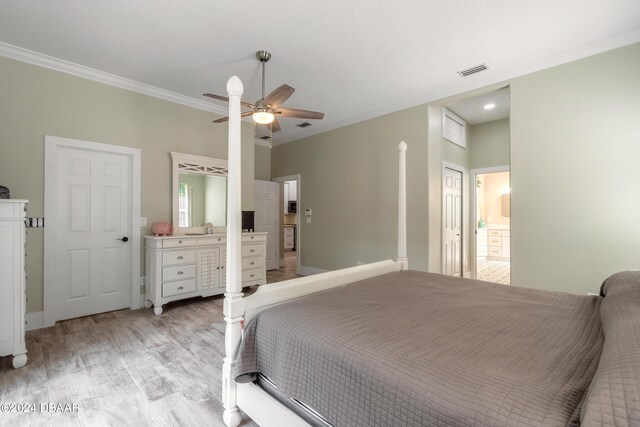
(474, 218)
(463, 255)
(51, 145)
(282, 179)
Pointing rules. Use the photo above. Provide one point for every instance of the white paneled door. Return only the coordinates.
(92, 227)
(267, 196)
(452, 222)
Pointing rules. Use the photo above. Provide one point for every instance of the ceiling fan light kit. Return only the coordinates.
(266, 108)
(263, 116)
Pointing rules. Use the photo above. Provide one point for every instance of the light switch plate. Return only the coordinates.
(308, 220)
(143, 221)
(307, 212)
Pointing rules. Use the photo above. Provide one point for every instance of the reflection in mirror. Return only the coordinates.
(199, 190)
(201, 199)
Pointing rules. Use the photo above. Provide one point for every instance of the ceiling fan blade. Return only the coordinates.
(279, 95)
(226, 119)
(225, 99)
(300, 114)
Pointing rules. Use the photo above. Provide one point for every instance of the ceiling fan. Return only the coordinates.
(265, 110)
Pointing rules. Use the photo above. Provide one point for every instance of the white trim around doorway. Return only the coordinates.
(474, 219)
(297, 178)
(51, 145)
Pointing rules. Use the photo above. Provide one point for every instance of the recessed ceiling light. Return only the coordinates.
(489, 106)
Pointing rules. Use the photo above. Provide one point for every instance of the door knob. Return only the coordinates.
(124, 239)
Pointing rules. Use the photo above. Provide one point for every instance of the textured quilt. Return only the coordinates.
(420, 349)
(614, 395)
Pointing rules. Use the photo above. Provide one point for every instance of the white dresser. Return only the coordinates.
(184, 266)
(493, 243)
(13, 300)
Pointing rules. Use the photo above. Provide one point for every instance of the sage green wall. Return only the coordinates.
(575, 151)
(489, 144)
(37, 101)
(263, 163)
(349, 177)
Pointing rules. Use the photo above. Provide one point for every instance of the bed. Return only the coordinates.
(380, 345)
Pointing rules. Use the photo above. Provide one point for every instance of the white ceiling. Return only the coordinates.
(350, 59)
(472, 109)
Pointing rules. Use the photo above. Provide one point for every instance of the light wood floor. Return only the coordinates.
(127, 367)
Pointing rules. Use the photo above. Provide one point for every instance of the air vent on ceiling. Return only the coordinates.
(303, 124)
(473, 70)
(265, 137)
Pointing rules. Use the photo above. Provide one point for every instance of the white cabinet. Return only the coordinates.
(289, 237)
(181, 267)
(13, 301)
(290, 193)
(493, 243)
(481, 242)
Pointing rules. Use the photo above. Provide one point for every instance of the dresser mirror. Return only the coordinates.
(199, 193)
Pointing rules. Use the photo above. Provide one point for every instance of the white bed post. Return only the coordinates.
(233, 330)
(402, 208)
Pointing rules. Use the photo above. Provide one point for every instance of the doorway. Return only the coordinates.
(92, 243)
(492, 202)
(291, 227)
(266, 218)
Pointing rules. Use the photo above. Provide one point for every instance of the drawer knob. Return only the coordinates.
(180, 288)
(179, 273)
(179, 241)
(251, 250)
(222, 266)
(251, 263)
(180, 257)
(219, 239)
(252, 275)
(217, 268)
(251, 237)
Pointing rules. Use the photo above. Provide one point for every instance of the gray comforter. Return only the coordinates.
(420, 349)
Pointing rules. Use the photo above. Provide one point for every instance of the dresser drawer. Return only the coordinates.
(495, 241)
(253, 262)
(177, 288)
(482, 232)
(495, 233)
(481, 240)
(213, 240)
(178, 243)
(178, 257)
(250, 237)
(252, 274)
(178, 273)
(251, 250)
(495, 251)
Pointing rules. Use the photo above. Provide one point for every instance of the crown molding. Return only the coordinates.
(263, 143)
(480, 81)
(42, 60)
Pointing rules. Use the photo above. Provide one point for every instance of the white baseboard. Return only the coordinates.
(307, 270)
(34, 320)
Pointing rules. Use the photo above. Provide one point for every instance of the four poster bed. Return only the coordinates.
(381, 345)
